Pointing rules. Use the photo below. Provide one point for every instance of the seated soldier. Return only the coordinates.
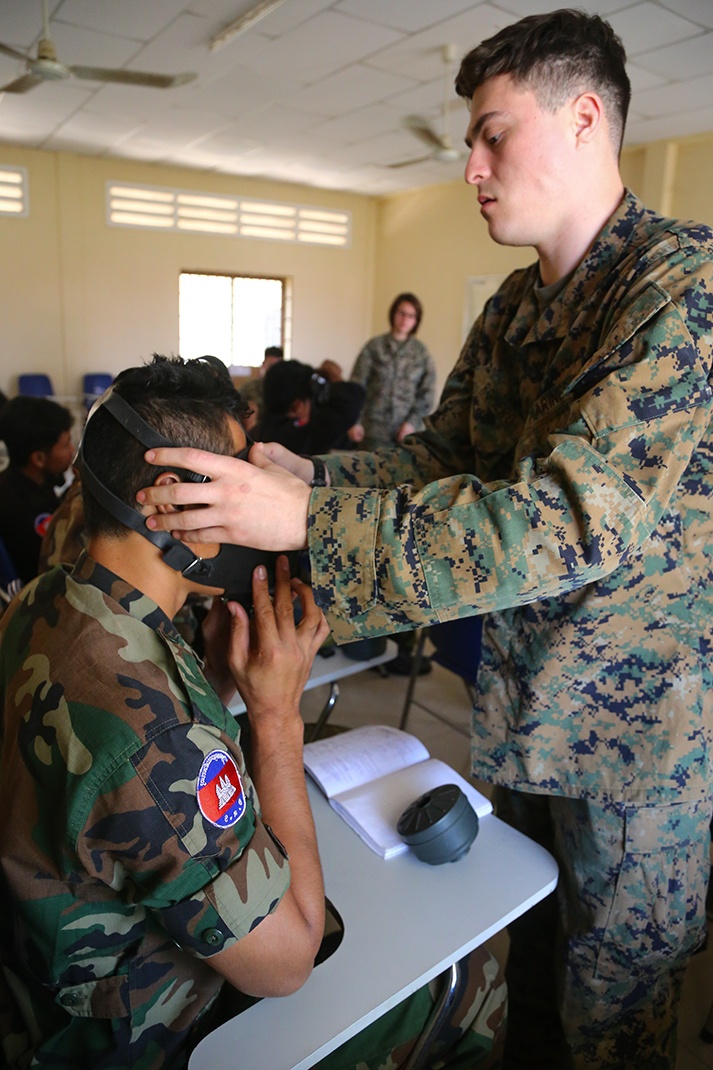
(36, 432)
(139, 866)
(306, 411)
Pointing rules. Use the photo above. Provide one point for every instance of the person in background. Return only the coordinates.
(305, 411)
(563, 488)
(37, 435)
(251, 389)
(399, 377)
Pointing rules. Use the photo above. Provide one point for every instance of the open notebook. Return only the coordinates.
(371, 774)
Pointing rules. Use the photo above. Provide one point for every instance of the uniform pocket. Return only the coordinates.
(658, 908)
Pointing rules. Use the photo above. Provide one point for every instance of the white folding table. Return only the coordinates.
(405, 922)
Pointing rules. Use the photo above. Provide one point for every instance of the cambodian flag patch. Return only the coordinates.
(220, 790)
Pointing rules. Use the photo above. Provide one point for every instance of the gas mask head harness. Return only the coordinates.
(232, 567)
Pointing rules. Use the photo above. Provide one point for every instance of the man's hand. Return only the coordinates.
(270, 659)
(405, 429)
(299, 466)
(269, 656)
(257, 504)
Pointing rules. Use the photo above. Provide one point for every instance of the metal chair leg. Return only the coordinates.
(324, 715)
(415, 666)
(418, 1059)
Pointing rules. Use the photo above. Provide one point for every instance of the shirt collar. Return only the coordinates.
(131, 600)
(586, 281)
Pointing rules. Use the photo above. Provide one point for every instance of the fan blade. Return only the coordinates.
(418, 126)
(407, 163)
(12, 52)
(22, 85)
(153, 81)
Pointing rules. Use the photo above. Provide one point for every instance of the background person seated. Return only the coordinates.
(37, 435)
(306, 411)
(251, 389)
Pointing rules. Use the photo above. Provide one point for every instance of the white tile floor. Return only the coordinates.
(368, 699)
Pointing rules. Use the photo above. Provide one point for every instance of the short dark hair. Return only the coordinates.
(284, 383)
(186, 402)
(412, 300)
(28, 424)
(557, 55)
(275, 351)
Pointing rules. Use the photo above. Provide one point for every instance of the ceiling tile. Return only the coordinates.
(699, 11)
(648, 25)
(407, 15)
(318, 88)
(686, 58)
(354, 87)
(140, 21)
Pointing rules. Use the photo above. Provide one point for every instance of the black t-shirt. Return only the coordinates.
(25, 510)
(327, 428)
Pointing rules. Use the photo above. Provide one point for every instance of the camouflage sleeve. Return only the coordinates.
(66, 534)
(362, 366)
(176, 829)
(389, 559)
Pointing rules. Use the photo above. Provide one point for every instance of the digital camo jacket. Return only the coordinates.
(563, 487)
(130, 838)
(400, 383)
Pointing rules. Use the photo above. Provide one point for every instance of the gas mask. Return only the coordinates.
(231, 568)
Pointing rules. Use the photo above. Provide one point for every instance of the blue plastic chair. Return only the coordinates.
(93, 385)
(456, 647)
(35, 384)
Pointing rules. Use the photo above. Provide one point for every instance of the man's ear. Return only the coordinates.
(588, 115)
(38, 459)
(163, 479)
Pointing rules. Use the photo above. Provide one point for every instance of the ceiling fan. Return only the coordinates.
(440, 145)
(47, 68)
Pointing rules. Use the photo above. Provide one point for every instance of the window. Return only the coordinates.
(13, 191)
(163, 208)
(234, 317)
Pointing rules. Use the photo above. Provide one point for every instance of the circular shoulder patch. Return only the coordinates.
(219, 790)
(41, 523)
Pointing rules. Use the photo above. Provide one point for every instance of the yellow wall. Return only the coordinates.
(77, 295)
(430, 241)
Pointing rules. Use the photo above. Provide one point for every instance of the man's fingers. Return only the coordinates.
(262, 604)
(208, 464)
(239, 645)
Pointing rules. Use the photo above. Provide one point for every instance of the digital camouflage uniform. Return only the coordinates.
(400, 382)
(563, 487)
(131, 843)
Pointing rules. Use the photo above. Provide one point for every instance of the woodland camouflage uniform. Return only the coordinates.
(563, 487)
(107, 723)
(115, 885)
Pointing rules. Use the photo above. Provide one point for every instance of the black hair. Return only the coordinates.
(284, 383)
(275, 351)
(28, 424)
(186, 401)
(412, 300)
(557, 55)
